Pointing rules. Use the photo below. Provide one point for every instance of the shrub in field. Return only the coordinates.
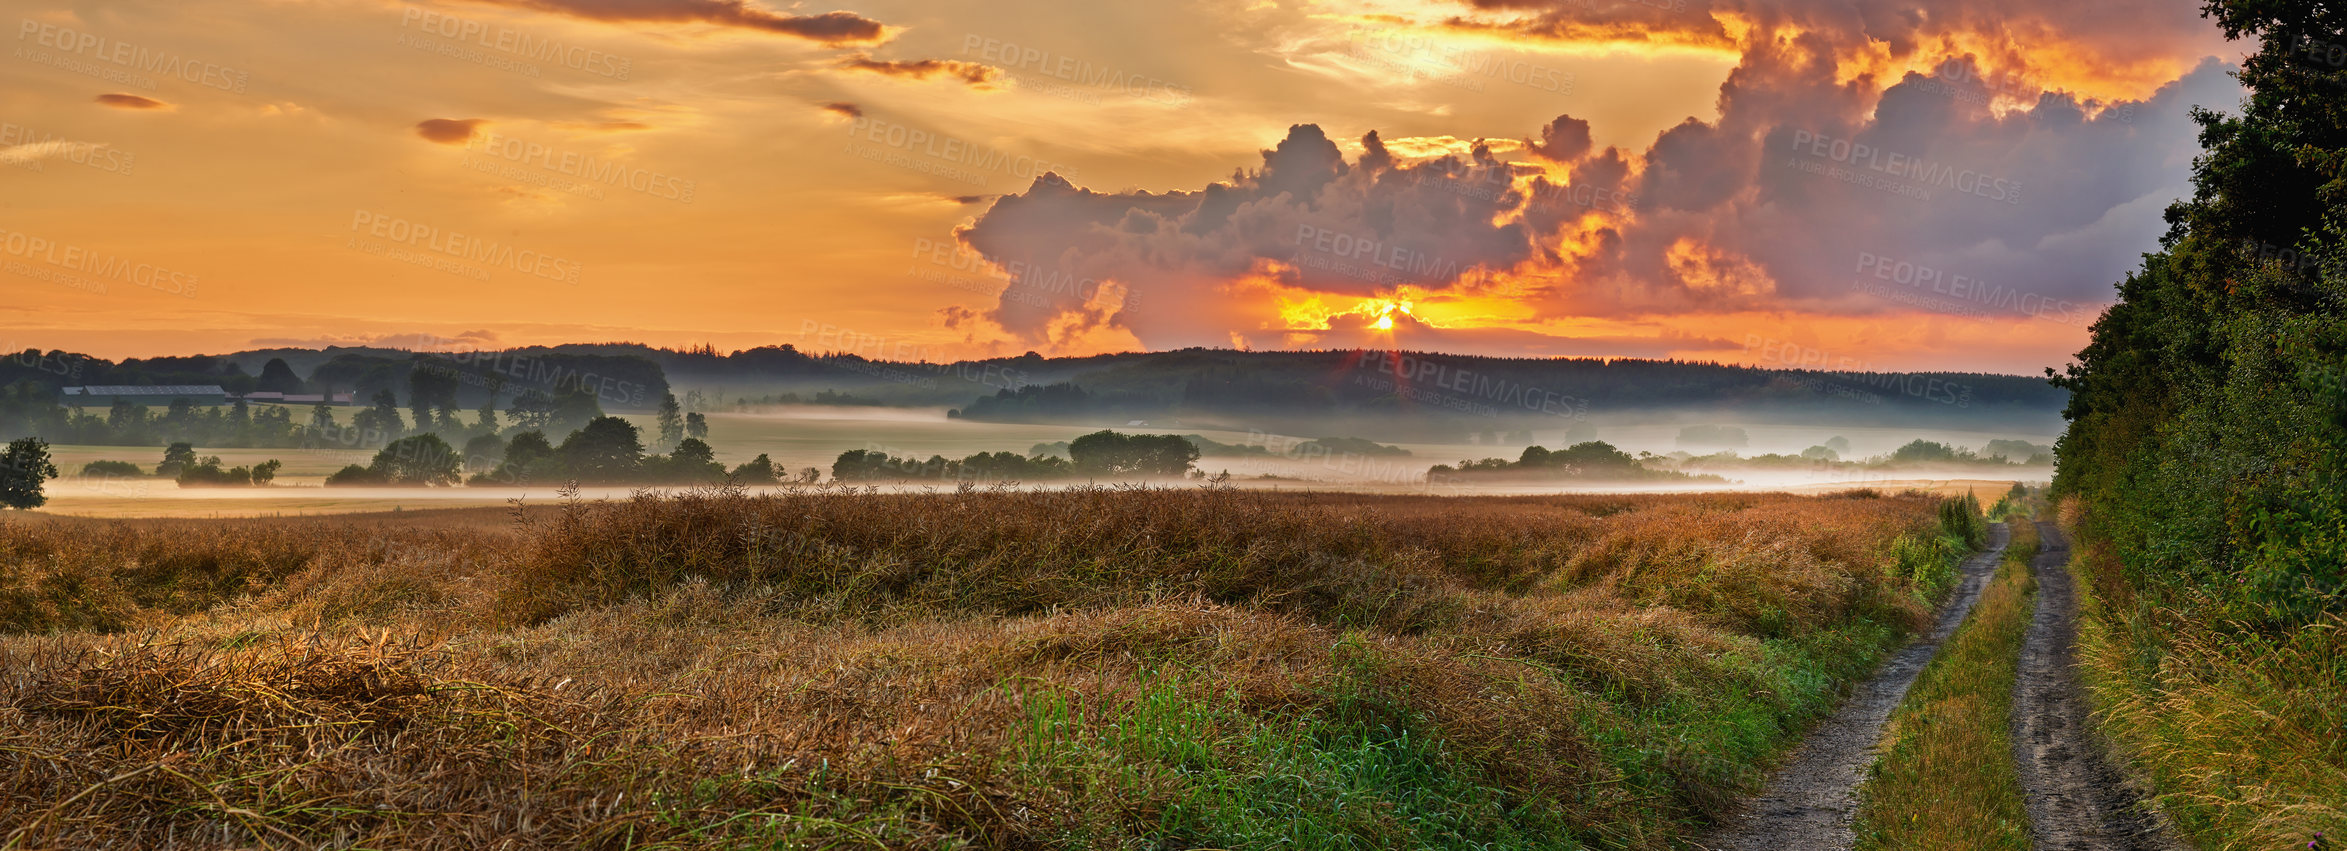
(112, 468)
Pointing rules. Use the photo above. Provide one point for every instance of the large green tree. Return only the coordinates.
(608, 449)
(2209, 412)
(24, 468)
(422, 459)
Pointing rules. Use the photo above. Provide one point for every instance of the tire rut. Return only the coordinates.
(1811, 802)
(2078, 799)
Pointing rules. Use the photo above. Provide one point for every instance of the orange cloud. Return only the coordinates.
(833, 29)
(123, 101)
(844, 109)
(976, 74)
(449, 131)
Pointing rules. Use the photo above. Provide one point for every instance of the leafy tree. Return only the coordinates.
(692, 461)
(176, 457)
(527, 458)
(697, 425)
(528, 447)
(24, 468)
(1112, 454)
(1924, 451)
(1588, 460)
(209, 473)
(485, 419)
(266, 471)
(606, 450)
(112, 469)
(531, 409)
(126, 416)
(757, 471)
(2208, 414)
(859, 465)
(278, 377)
(431, 387)
(571, 409)
(671, 421)
(422, 459)
(486, 451)
(354, 475)
(382, 420)
(240, 423)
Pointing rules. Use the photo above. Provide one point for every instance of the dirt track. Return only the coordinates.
(2077, 800)
(1810, 802)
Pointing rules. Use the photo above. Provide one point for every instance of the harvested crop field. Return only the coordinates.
(1087, 668)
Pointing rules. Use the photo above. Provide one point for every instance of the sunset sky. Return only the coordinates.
(1886, 184)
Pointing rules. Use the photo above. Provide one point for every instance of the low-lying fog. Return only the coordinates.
(813, 436)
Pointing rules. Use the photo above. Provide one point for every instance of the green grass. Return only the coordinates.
(1359, 772)
(1946, 777)
(2241, 733)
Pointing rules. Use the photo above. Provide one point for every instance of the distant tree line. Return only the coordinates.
(606, 450)
(1595, 460)
(1102, 454)
(449, 394)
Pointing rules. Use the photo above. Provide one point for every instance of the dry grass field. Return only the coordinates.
(1124, 667)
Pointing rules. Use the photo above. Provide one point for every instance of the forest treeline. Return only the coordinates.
(2208, 415)
(1394, 396)
(2203, 464)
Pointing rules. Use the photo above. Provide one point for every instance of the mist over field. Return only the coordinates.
(1055, 425)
